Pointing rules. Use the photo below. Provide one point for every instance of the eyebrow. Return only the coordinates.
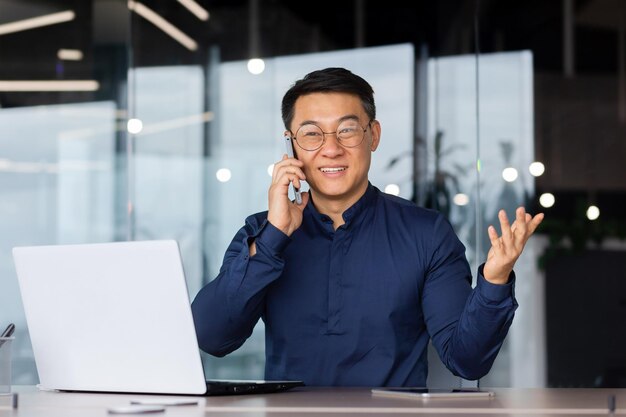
(340, 120)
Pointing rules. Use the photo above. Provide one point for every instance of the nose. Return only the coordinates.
(331, 146)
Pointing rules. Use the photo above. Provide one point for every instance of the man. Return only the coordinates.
(352, 283)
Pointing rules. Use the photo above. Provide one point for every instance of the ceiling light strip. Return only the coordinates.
(162, 24)
(52, 85)
(35, 22)
(199, 11)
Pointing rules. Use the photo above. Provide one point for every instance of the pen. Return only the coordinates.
(611, 404)
(7, 332)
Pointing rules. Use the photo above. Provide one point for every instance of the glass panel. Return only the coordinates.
(62, 94)
(504, 130)
(250, 139)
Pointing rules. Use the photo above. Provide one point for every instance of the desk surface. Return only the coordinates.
(314, 402)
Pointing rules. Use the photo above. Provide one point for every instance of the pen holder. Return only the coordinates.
(5, 365)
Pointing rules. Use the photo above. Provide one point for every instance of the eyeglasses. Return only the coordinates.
(350, 134)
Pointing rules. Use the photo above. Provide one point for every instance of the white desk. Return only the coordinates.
(329, 402)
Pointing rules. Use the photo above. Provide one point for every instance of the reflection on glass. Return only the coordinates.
(223, 175)
(134, 126)
(509, 174)
(460, 199)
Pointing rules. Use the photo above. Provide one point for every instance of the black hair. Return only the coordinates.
(329, 80)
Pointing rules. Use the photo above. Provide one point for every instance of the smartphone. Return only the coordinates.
(289, 147)
(432, 392)
(136, 409)
(165, 402)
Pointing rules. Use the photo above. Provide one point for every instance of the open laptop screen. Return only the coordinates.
(110, 317)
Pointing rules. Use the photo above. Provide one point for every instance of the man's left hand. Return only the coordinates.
(507, 248)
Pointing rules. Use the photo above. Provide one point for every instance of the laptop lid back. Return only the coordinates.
(111, 317)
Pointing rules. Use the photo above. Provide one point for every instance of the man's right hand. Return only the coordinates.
(284, 214)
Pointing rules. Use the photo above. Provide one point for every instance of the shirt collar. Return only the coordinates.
(352, 212)
(362, 203)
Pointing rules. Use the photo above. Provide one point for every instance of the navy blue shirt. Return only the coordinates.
(356, 306)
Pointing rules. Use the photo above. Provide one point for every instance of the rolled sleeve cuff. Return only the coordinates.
(271, 238)
(495, 292)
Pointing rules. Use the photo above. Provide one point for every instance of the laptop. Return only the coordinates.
(116, 317)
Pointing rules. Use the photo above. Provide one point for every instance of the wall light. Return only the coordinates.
(593, 212)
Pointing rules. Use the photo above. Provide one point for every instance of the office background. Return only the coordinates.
(134, 120)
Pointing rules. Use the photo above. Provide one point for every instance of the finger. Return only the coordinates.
(493, 237)
(517, 221)
(296, 183)
(520, 220)
(279, 173)
(527, 219)
(291, 159)
(534, 223)
(286, 161)
(281, 168)
(290, 178)
(505, 227)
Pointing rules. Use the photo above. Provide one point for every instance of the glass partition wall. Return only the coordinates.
(160, 119)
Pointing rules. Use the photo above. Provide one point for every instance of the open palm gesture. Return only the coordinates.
(506, 249)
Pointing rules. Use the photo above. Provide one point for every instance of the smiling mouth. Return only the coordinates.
(333, 169)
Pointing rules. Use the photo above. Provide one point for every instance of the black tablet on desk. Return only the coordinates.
(432, 392)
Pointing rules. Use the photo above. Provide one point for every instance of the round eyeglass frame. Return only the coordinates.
(295, 136)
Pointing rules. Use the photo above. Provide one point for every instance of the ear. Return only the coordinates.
(375, 128)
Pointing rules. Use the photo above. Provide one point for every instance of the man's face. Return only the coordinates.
(335, 172)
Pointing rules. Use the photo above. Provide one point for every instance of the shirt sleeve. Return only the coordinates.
(226, 310)
(467, 326)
